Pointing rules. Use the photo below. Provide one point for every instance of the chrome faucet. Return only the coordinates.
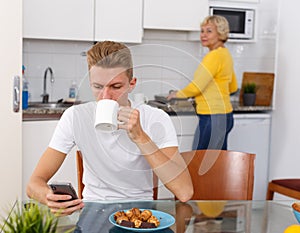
(45, 95)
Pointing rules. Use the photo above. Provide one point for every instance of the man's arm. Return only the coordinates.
(48, 164)
(167, 163)
(39, 190)
(170, 167)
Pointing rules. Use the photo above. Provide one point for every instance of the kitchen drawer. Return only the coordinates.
(185, 142)
(185, 125)
(34, 144)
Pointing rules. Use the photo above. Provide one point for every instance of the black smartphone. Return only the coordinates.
(64, 188)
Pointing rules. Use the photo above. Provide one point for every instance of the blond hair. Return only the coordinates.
(221, 24)
(110, 54)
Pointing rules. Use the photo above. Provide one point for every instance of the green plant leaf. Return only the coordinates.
(31, 218)
(250, 88)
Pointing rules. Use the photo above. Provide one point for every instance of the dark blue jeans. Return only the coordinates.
(212, 131)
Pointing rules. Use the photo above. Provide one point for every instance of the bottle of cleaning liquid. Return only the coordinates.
(73, 90)
(25, 92)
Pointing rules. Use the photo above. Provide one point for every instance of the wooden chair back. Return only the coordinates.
(289, 187)
(220, 174)
(79, 163)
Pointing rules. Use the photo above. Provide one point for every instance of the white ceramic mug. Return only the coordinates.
(140, 98)
(106, 117)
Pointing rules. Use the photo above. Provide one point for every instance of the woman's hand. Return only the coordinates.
(172, 95)
(62, 205)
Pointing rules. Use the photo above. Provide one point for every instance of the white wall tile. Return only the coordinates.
(36, 64)
(65, 66)
(171, 84)
(179, 67)
(149, 87)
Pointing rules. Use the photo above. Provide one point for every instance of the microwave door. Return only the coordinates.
(241, 21)
(236, 20)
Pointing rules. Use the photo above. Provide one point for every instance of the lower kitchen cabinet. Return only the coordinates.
(185, 126)
(36, 137)
(251, 133)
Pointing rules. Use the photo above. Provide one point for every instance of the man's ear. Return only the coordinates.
(132, 84)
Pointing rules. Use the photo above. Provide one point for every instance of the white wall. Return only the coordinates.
(285, 157)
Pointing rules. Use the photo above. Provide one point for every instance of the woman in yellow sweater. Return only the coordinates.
(213, 82)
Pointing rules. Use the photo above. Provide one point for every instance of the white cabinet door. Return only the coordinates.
(10, 121)
(58, 19)
(34, 145)
(174, 14)
(119, 20)
(245, 1)
(185, 126)
(251, 133)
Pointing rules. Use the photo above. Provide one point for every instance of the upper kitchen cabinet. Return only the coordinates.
(174, 14)
(58, 19)
(119, 20)
(242, 1)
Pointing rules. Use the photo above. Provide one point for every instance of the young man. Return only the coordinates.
(117, 165)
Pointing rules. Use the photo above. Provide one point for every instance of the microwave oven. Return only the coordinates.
(241, 21)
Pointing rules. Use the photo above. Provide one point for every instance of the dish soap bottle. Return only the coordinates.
(73, 90)
(25, 93)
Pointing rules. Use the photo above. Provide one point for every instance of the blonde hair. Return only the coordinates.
(221, 24)
(110, 54)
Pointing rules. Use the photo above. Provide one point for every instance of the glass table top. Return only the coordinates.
(191, 217)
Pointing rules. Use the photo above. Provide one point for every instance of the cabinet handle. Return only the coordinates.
(16, 94)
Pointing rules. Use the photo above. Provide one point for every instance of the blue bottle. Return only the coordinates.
(73, 90)
(25, 93)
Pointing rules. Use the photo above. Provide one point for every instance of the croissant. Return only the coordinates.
(154, 220)
(137, 219)
(133, 218)
(121, 218)
(145, 215)
(119, 214)
(137, 223)
(296, 206)
(136, 212)
(133, 212)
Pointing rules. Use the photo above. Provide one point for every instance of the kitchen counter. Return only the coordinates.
(249, 109)
(40, 114)
(46, 111)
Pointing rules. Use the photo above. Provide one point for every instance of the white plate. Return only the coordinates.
(166, 220)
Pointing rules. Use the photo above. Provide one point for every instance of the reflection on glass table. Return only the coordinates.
(197, 216)
(190, 217)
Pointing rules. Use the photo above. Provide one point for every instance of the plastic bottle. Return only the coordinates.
(73, 90)
(25, 92)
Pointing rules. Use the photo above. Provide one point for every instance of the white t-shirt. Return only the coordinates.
(114, 169)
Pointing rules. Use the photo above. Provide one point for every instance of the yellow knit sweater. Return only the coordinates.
(213, 81)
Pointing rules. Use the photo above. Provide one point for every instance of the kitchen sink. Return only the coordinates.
(50, 105)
